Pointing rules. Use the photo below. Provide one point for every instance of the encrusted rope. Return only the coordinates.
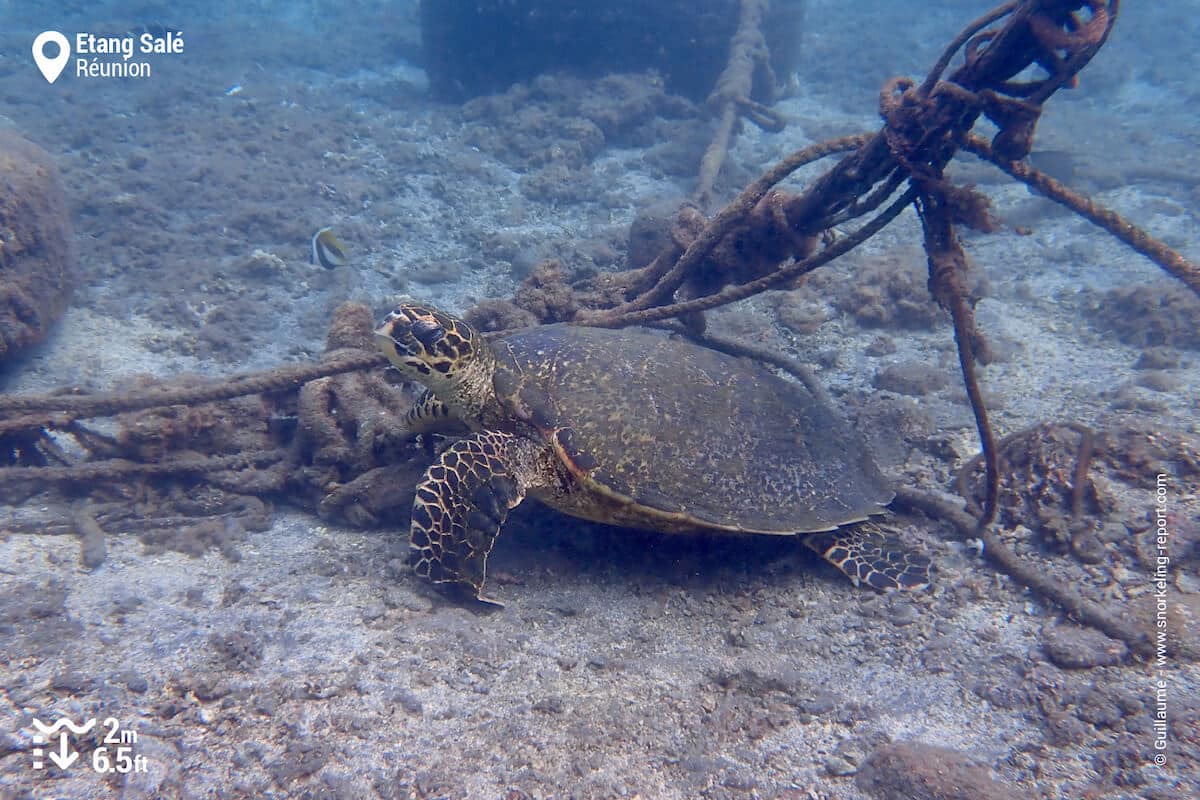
(51, 407)
(731, 97)
(1168, 259)
(1008, 562)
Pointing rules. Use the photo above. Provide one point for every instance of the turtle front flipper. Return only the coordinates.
(463, 500)
(430, 415)
(868, 555)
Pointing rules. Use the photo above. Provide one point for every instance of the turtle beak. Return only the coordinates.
(394, 335)
(385, 334)
(384, 340)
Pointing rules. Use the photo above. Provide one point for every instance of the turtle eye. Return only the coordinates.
(427, 331)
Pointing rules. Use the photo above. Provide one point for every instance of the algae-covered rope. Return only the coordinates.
(1171, 261)
(54, 407)
(1054, 589)
(731, 96)
(935, 74)
(122, 469)
(788, 272)
(948, 285)
(716, 230)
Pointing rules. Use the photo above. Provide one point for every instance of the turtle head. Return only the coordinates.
(442, 352)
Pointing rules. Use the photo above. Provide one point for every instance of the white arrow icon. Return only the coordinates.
(51, 67)
(65, 756)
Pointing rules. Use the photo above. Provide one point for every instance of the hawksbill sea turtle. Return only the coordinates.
(632, 428)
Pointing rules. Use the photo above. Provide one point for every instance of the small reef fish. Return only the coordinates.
(327, 250)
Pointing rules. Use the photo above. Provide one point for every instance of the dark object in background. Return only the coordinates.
(35, 244)
(474, 47)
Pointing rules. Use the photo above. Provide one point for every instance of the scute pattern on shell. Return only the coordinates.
(686, 430)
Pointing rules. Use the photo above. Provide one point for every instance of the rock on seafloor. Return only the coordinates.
(908, 770)
(36, 272)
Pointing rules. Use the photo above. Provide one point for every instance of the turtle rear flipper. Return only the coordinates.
(868, 555)
(463, 500)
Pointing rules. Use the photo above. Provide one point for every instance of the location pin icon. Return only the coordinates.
(51, 67)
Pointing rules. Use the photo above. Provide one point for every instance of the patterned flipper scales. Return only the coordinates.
(868, 555)
(461, 503)
(431, 415)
